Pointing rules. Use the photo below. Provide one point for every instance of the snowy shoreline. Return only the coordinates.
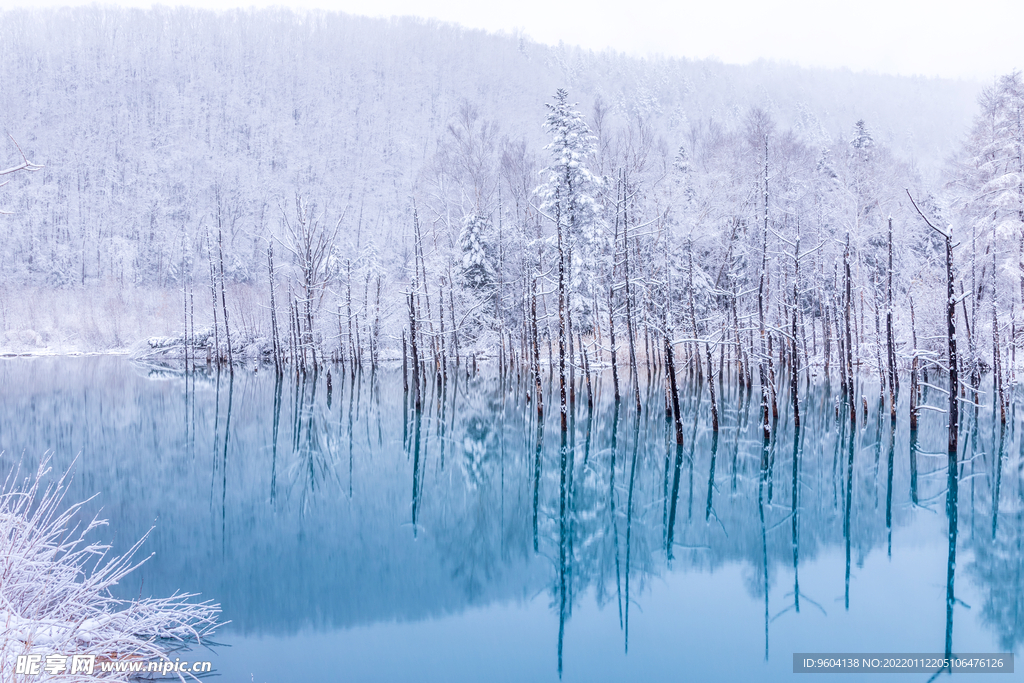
(52, 353)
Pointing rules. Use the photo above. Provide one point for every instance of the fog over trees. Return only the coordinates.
(309, 187)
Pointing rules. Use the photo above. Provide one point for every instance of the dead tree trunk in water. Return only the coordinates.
(341, 340)
(375, 339)
(223, 294)
(835, 303)
(455, 329)
(954, 383)
(415, 353)
(443, 373)
(972, 363)
(611, 333)
(742, 369)
(997, 366)
(348, 301)
(503, 360)
(586, 371)
(630, 328)
(563, 407)
(794, 369)
(878, 351)
(670, 371)
(670, 367)
(405, 366)
(826, 335)
(894, 379)
(184, 303)
(766, 388)
(538, 387)
(913, 369)
(291, 332)
(693, 310)
(611, 300)
(568, 324)
(300, 347)
(213, 294)
(954, 405)
(765, 284)
(192, 319)
(273, 311)
(848, 304)
(419, 258)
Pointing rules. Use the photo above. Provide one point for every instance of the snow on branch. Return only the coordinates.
(25, 164)
(945, 233)
(55, 590)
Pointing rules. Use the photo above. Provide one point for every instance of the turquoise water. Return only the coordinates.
(349, 537)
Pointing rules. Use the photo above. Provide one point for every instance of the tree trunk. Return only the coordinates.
(878, 353)
(563, 406)
(405, 365)
(415, 354)
(711, 387)
(213, 294)
(670, 371)
(224, 300)
(913, 369)
(443, 374)
(765, 355)
(351, 339)
(997, 369)
(794, 370)
(894, 379)
(273, 311)
(954, 414)
(739, 343)
(184, 302)
(849, 338)
(693, 310)
(586, 372)
(455, 331)
(538, 388)
(611, 334)
(192, 320)
(630, 331)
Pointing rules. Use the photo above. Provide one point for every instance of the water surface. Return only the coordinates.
(349, 537)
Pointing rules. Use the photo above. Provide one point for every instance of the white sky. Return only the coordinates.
(977, 40)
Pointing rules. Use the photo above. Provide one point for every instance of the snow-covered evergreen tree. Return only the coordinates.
(568, 194)
(475, 268)
(992, 163)
(862, 140)
(568, 198)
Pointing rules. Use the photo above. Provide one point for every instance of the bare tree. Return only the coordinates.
(310, 243)
(954, 383)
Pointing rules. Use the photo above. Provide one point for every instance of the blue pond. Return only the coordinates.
(349, 537)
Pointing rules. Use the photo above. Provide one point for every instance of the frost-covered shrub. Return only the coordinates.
(55, 591)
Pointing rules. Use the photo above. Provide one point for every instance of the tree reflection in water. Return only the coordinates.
(381, 510)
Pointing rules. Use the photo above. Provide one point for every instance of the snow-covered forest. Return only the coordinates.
(275, 185)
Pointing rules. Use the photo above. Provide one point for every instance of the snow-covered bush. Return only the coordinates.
(55, 591)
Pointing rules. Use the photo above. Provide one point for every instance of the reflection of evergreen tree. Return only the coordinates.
(477, 448)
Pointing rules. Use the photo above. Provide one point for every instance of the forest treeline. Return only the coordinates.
(307, 201)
